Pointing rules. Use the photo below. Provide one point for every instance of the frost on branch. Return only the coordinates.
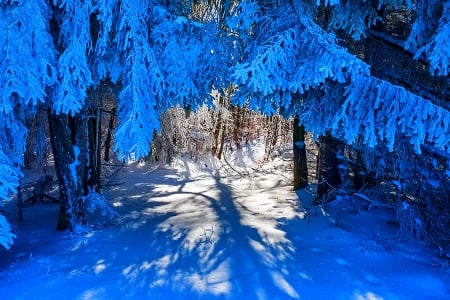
(27, 55)
(438, 49)
(73, 70)
(244, 16)
(378, 111)
(75, 78)
(142, 84)
(294, 60)
(26, 70)
(6, 236)
(429, 37)
(9, 176)
(354, 18)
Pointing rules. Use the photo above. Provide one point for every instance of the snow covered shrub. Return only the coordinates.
(6, 235)
(93, 202)
(97, 202)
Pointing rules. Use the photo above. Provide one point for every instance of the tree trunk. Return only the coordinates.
(94, 137)
(328, 172)
(237, 126)
(300, 161)
(108, 140)
(222, 144)
(217, 134)
(68, 139)
(359, 179)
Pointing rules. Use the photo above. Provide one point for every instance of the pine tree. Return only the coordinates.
(295, 57)
(56, 51)
(27, 68)
(295, 51)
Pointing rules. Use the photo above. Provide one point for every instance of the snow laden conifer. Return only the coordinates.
(354, 17)
(167, 60)
(192, 59)
(433, 44)
(430, 33)
(6, 236)
(292, 57)
(142, 80)
(370, 102)
(74, 73)
(26, 70)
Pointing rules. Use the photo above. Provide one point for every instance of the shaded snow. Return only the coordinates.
(189, 232)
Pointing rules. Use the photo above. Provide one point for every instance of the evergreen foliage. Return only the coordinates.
(26, 70)
(6, 236)
(370, 102)
(430, 34)
(73, 71)
(293, 58)
(278, 56)
(437, 49)
(354, 17)
(142, 80)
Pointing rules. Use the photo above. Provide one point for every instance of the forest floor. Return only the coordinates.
(205, 231)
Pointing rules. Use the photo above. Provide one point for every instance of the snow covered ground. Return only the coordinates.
(190, 232)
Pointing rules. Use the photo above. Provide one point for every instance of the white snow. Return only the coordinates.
(205, 231)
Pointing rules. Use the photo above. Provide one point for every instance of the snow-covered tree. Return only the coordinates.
(56, 51)
(27, 68)
(345, 70)
(294, 57)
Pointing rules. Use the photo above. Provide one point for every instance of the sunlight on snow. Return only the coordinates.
(367, 296)
(100, 266)
(117, 203)
(216, 282)
(207, 223)
(284, 285)
(92, 294)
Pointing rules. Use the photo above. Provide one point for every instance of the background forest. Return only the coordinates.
(107, 81)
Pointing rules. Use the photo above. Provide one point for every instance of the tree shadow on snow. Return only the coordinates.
(202, 248)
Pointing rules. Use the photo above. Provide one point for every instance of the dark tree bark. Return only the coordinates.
(328, 172)
(359, 179)
(222, 143)
(219, 133)
(109, 135)
(300, 161)
(237, 126)
(94, 137)
(66, 133)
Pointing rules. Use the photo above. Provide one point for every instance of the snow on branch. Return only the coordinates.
(6, 235)
(377, 111)
(354, 18)
(438, 49)
(244, 16)
(75, 79)
(73, 69)
(143, 84)
(75, 22)
(27, 55)
(182, 56)
(295, 60)
(9, 176)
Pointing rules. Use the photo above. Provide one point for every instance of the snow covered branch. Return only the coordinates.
(378, 111)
